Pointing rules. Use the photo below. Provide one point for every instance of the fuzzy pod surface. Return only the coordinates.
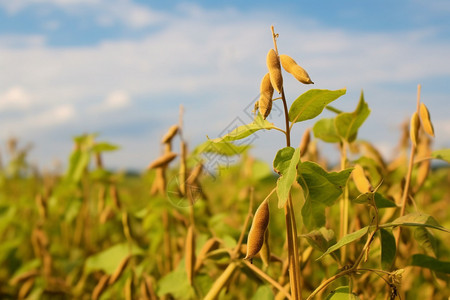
(273, 64)
(292, 67)
(258, 229)
(265, 97)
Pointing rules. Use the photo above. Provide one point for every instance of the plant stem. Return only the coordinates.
(407, 181)
(291, 226)
(267, 278)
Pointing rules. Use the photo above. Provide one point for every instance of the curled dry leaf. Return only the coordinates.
(265, 97)
(257, 231)
(292, 67)
(414, 129)
(273, 64)
(162, 160)
(362, 183)
(426, 120)
(167, 138)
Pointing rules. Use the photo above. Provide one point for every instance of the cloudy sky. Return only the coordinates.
(123, 67)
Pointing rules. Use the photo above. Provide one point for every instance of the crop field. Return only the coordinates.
(301, 228)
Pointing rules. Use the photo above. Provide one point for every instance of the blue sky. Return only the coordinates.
(123, 67)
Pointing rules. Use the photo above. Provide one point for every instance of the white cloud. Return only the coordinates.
(116, 100)
(104, 12)
(15, 98)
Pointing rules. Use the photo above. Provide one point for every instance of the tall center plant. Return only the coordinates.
(287, 160)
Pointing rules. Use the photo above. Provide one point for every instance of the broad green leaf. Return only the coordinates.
(103, 147)
(320, 189)
(325, 130)
(349, 238)
(424, 237)
(109, 259)
(425, 261)
(416, 219)
(264, 292)
(380, 200)
(347, 124)
(288, 172)
(311, 103)
(246, 130)
(282, 159)
(443, 154)
(388, 248)
(321, 240)
(176, 284)
(78, 162)
(222, 148)
(342, 293)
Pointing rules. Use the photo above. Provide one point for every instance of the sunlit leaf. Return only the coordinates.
(416, 219)
(311, 103)
(108, 260)
(342, 293)
(222, 148)
(425, 261)
(443, 154)
(176, 284)
(287, 167)
(104, 147)
(246, 130)
(325, 130)
(264, 292)
(347, 124)
(349, 238)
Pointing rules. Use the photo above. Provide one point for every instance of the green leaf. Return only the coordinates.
(347, 124)
(342, 293)
(321, 239)
(380, 200)
(425, 261)
(109, 259)
(176, 284)
(246, 130)
(264, 292)
(388, 248)
(287, 168)
(320, 189)
(222, 148)
(325, 130)
(282, 159)
(103, 147)
(349, 238)
(424, 237)
(416, 219)
(78, 162)
(311, 103)
(443, 154)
